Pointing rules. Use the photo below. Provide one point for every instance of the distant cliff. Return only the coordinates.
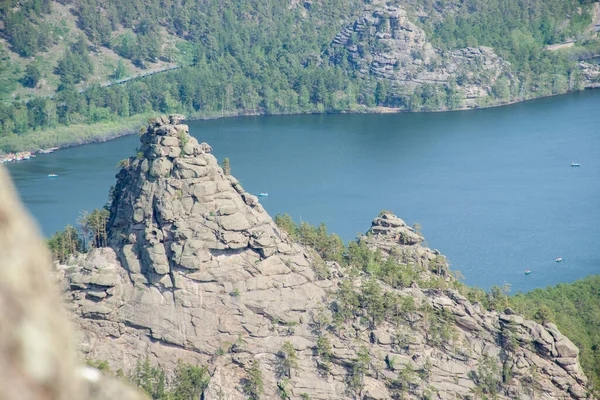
(198, 271)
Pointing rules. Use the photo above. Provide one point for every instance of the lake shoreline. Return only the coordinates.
(482, 185)
(103, 132)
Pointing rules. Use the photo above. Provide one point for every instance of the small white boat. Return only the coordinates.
(559, 259)
(574, 164)
(52, 176)
(263, 194)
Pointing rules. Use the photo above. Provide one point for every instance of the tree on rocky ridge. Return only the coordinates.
(226, 166)
(254, 385)
(289, 359)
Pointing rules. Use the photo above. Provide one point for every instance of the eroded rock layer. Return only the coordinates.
(198, 271)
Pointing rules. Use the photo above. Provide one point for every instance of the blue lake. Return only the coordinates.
(492, 189)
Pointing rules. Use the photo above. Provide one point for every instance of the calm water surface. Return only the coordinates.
(492, 189)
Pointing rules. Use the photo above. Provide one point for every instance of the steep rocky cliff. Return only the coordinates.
(591, 73)
(197, 270)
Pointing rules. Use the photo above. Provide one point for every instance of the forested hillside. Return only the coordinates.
(69, 62)
(518, 30)
(475, 23)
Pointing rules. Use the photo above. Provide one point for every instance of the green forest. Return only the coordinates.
(254, 57)
(518, 30)
(247, 58)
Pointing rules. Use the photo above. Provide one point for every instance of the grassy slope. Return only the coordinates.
(77, 134)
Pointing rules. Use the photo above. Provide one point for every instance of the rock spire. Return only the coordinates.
(175, 211)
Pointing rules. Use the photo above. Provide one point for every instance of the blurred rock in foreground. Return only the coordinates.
(37, 352)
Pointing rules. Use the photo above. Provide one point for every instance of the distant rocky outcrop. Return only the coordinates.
(383, 42)
(392, 236)
(198, 271)
(386, 43)
(591, 74)
(37, 346)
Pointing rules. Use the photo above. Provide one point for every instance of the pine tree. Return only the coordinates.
(226, 166)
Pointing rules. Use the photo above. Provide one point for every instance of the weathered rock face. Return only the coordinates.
(393, 237)
(200, 272)
(37, 349)
(205, 266)
(384, 43)
(176, 212)
(591, 74)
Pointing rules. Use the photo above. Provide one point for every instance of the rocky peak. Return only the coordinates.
(203, 267)
(393, 237)
(389, 228)
(175, 209)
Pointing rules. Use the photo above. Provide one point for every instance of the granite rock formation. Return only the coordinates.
(198, 271)
(383, 42)
(591, 74)
(393, 237)
(37, 346)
